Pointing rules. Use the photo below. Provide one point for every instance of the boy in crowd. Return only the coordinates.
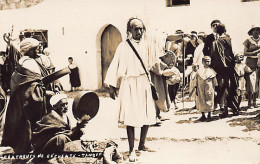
(205, 89)
(242, 70)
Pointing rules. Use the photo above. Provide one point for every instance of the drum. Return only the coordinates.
(85, 103)
(56, 75)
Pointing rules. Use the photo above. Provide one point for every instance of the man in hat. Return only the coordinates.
(27, 100)
(211, 37)
(223, 62)
(54, 129)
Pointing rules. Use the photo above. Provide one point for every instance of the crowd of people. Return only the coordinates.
(214, 76)
(145, 73)
(206, 64)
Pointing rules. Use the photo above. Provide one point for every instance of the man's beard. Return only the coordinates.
(64, 110)
(138, 37)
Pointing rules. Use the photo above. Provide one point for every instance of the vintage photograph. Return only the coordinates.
(130, 81)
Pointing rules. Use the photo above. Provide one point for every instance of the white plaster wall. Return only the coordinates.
(85, 20)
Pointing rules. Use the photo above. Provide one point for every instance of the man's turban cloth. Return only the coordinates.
(27, 44)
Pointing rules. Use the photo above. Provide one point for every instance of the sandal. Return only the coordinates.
(145, 149)
(132, 157)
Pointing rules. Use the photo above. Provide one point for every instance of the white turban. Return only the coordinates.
(56, 98)
(27, 44)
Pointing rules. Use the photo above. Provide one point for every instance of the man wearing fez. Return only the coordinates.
(126, 73)
(218, 47)
(26, 105)
(54, 130)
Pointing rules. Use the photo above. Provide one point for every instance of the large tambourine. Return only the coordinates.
(85, 103)
(56, 75)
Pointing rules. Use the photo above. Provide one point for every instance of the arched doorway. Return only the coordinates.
(110, 39)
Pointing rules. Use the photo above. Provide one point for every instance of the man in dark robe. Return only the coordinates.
(26, 105)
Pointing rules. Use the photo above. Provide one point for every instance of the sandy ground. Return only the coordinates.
(181, 139)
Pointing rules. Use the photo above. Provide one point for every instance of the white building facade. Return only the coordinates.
(89, 31)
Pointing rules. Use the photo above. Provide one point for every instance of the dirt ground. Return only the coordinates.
(181, 139)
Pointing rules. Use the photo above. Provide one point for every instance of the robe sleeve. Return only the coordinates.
(116, 69)
(246, 43)
(76, 133)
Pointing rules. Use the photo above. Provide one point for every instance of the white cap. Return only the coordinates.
(56, 98)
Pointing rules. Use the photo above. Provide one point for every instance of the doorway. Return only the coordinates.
(110, 39)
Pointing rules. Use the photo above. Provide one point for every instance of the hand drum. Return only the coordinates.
(85, 103)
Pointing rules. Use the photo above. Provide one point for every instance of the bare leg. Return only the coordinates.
(143, 135)
(131, 137)
(131, 140)
(254, 99)
(250, 99)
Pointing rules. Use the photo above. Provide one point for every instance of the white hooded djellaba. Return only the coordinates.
(137, 107)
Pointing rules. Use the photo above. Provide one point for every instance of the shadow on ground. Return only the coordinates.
(251, 120)
(103, 92)
(251, 123)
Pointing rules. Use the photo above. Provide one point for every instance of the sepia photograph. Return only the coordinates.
(130, 81)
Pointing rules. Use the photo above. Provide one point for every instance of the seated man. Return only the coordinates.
(54, 130)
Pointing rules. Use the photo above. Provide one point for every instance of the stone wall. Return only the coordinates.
(16, 4)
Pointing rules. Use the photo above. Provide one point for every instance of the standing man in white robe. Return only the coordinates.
(137, 107)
